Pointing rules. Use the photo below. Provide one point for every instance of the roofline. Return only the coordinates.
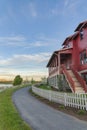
(71, 37)
(55, 53)
(79, 27)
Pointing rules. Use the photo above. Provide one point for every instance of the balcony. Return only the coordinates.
(54, 71)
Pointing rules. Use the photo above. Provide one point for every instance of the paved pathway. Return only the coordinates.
(41, 116)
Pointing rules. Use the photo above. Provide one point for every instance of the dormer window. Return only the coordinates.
(81, 34)
(68, 45)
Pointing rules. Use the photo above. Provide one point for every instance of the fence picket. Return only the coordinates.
(72, 100)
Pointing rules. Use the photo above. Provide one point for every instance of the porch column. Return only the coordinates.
(58, 63)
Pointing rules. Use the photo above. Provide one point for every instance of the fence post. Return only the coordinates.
(85, 101)
(65, 97)
(32, 88)
(86, 105)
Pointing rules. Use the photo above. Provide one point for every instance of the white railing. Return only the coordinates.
(2, 89)
(5, 86)
(67, 99)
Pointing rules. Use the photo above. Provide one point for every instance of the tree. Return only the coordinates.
(44, 80)
(17, 80)
(32, 81)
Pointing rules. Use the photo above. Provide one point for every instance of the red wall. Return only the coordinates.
(78, 46)
(75, 55)
(83, 43)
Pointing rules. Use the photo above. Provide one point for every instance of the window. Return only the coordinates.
(68, 45)
(81, 34)
(83, 57)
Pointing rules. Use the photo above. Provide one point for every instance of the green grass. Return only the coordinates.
(44, 86)
(9, 117)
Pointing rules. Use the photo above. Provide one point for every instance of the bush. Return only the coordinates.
(32, 81)
(17, 80)
(81, 112)
(60, 83)
(61, 106)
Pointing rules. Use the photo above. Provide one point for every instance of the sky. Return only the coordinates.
(30, 30)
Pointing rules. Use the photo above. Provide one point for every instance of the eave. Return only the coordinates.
(54, 53)
(61, 51)
(70, 38)
(81, 25)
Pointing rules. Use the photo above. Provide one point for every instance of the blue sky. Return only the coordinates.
(30, 30)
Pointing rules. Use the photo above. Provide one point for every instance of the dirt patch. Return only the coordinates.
(71, 111)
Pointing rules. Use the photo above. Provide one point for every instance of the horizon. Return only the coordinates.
(30, 33)
(7, 78)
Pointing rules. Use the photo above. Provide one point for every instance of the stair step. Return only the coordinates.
(74, 79)
(72, 74)
(77, 84)
(79, 90)
(78, 87)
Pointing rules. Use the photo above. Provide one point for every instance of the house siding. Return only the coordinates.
(69, 55)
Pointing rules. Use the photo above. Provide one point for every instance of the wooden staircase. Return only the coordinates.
(78, 87)
(75, 81)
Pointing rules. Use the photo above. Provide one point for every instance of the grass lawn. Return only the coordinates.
(9, 117)
(44, 86)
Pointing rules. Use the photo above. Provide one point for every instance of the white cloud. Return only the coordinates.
(13, 41)
(25, 59)
(9, 74)
(32, 10)
(29, 9)
(25, 43)
(36, 44)
(39, 44)
(42, 41)
(47, 39)
(31, 64)
(67, 7)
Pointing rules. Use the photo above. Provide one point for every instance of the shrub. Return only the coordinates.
(61, 107)
(60, 83)
(81, 112)
(17, 80)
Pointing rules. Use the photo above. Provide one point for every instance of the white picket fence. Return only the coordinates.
(67, 99)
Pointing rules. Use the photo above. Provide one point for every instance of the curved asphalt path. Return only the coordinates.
(41, 116)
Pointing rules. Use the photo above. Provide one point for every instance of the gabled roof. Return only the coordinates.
(61, 51)
(54, 53)
(70, 38)
(81, 25)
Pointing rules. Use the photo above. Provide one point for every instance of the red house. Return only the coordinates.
(71, 61)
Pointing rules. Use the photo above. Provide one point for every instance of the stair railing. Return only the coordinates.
(79, 78)
(69, 78)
